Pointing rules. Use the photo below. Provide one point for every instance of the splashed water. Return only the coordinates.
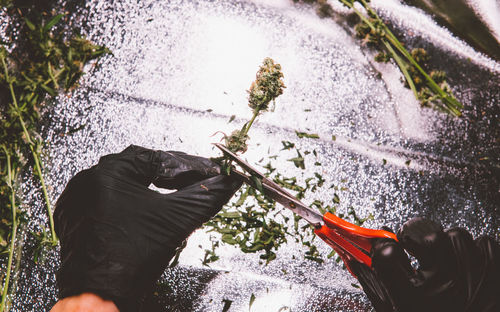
(181, 69)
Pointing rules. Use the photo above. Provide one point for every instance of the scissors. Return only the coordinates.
(351, 242)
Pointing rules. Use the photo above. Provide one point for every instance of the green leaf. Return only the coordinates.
(252, 299)
(336, 198)
(307, 135)
(226, 231)
(287, 145)
(298, 162)
(227, 305)
(331, 254)
(48, 89)
(76, 129)
(229, 239)
(30, 25)
(258, 183)
(242, 199)
(52, 22)
(231, 215)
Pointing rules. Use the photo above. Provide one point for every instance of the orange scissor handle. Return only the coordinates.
(356, 234)
(341, 235)
(347, 251)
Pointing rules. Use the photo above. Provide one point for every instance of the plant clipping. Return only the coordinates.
(254, 223)
(428, 86)
(267, 86)
(38, 61)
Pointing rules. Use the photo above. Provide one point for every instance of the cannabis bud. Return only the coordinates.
(236, 142)
(267, 86)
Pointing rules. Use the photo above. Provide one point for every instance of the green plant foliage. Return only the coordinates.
(431, 90)
(236, 142)
(307, 135)
(42, 60)
(255, 224)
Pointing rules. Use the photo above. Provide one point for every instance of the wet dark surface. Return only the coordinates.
(462, 20)
(180, 70)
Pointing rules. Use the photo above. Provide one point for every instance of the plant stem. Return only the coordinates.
(451, 104)
(34, 152)
(14, 230)
(14, 101)
(246, 127)
(51, 74)
(38, 169)
(402, 66)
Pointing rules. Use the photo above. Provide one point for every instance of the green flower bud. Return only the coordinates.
(267, 86)
(236, 142)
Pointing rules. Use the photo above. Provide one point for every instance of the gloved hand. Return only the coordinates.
(117, 236)
(455, 273)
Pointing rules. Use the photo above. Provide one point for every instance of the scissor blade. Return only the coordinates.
(311, 216)
(243, 164)
(248, 168)
(274, 191)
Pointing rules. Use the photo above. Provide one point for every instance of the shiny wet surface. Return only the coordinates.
(179, 71)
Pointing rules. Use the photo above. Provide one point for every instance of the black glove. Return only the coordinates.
(455, 273)
(117, 236)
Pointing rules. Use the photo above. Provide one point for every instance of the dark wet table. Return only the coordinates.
(180, 70)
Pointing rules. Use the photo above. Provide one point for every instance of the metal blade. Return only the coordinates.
(274, 191)
(243, 164)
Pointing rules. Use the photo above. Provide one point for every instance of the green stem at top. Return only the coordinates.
(246, 127)
(451, 104)
(402, 66)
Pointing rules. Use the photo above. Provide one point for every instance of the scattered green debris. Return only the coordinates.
(298, 161)
(336, 198)
(227, 304)
(287, 145)
(40, 59)
(430, 88)
(210, 255)
(256, 224)
(307, 135)
(252, 299)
